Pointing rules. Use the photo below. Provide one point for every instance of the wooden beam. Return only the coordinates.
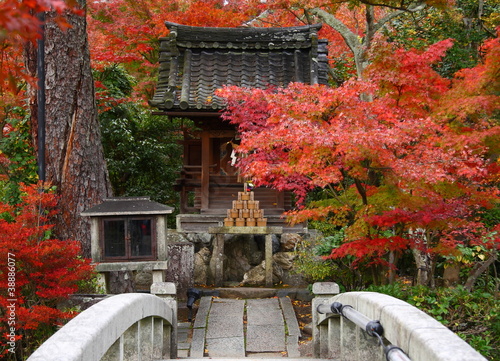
(218, 255)
(188, 114)
(280, 200)
(269, 260)
(205, 168)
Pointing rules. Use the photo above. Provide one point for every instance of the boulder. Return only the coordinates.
(175, 237)
(201, 266)
(241, 254)
(199, 238)
(284, 259)
(291, 278)
(289, 241)
(261, 241)
(257, 275)
(121, 282)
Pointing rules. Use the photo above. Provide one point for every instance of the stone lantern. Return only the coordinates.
(129, 234)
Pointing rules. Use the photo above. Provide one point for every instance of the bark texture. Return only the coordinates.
(74, 155)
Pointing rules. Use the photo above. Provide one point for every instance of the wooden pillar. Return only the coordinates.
(280, 200)
(205, 168)
(95, 248)
(218, 256)
(269, 260)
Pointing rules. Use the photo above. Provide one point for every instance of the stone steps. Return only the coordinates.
(254, 359)
(264, 328)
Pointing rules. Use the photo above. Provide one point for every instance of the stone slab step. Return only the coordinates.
(265, 326)
(224, 336)
(221, 331)
(260, 292)
(200, 320)
(254, 359)
(290, 317)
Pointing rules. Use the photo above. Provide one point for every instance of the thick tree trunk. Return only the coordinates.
(424, 267)
(74, 156)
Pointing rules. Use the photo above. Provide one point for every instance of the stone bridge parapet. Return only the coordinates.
(130, 326)
(418, 335)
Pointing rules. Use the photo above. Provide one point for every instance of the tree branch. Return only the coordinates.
(361, 191)
(412, 8)
(478, 270)
(395, 14)
(350, 38)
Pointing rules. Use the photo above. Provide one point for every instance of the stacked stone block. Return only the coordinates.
(245, 212)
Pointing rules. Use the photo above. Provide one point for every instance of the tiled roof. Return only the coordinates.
(196, 61)
(122, 206)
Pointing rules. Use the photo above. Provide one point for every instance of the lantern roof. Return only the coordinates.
(125, 206)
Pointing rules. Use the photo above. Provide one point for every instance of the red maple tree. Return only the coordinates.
(37, 273)
(403, 169)
(126, 32)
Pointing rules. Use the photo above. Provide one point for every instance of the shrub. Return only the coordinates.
(312, 264)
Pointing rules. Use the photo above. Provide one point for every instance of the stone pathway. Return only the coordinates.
(265, 326)
(224, 335)
(235, 328)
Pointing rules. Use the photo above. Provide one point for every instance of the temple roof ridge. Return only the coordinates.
(242, 34)
(196, 61)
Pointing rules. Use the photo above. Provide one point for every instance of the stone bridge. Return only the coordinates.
(353, 326)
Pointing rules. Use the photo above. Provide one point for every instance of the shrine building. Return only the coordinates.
(194, 63)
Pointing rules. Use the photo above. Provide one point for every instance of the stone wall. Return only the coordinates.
(244, 258)
(190, 262)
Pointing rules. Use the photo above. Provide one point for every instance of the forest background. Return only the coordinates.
(396, 163)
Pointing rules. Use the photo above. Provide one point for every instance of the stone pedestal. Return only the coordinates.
(167, 292)
(218, 252)
(109, 271)
(326, 335)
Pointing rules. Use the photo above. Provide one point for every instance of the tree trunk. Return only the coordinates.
(74, 156)
(423, 265)
(391, 277)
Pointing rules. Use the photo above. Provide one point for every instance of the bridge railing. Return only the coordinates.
(130, 326)
(404, 327)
